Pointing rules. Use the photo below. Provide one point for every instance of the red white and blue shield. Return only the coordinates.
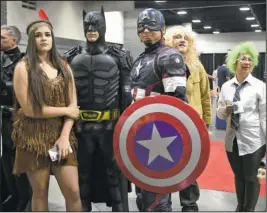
(161, 144)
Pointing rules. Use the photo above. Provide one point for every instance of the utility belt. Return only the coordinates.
(98, 116)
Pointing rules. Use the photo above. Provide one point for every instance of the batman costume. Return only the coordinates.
(158, 70)
(102, 78)
(15, 191)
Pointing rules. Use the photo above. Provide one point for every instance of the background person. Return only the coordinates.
(242, 102)
(18, 192)
(197, 92)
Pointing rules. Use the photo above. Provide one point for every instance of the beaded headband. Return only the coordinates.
(38, 24)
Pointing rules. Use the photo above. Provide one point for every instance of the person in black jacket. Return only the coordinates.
(102, 77)
(158, 70)
(19, 190)
(223, 75)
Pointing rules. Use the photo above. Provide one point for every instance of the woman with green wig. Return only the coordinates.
(242, 103)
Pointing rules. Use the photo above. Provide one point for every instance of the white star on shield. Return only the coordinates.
(157, 146)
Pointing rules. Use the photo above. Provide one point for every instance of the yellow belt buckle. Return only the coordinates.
(106, 115)
(98, 116)
(90, 115)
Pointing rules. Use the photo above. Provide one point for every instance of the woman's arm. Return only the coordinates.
(68, 123)
(211, 77)
(21, 91)
(221, 108)
(262, 108)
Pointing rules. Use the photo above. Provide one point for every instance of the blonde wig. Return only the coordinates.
(191, 57)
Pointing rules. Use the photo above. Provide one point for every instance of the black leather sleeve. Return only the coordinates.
(70, 54)
(125, 63)
(6, 77)
(2, 85)
(173, 73)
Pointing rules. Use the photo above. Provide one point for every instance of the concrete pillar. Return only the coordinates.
(3, 12)
(115, 27)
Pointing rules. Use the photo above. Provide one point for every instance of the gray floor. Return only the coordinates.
(210, 200)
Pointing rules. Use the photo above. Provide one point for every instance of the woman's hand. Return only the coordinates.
(73, 111)
(229, 109)
(63, 147)
(261, 173)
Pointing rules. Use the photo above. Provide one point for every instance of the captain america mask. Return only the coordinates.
(150, 19)
(150, 26)
(94, 25)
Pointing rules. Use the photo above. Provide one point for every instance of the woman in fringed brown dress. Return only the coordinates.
(45, 109)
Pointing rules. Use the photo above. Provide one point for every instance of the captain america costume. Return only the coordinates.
(158, 70)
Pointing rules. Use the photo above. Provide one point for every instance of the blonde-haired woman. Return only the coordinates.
(198, 93)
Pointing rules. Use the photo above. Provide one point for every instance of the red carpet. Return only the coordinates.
(218, 174)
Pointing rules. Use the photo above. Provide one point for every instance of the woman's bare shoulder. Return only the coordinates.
(21, 68)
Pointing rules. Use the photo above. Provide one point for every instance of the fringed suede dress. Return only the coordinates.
(33, 137)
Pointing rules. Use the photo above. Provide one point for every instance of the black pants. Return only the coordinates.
(4, 193)
(149, 201)
(88, 143)
(245, 169)
(189, 197)
(18, 186)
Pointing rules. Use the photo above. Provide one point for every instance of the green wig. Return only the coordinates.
(242, 48)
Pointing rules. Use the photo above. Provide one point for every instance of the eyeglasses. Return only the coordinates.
(244, 59)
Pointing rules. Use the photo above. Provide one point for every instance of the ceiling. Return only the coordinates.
(222, 16)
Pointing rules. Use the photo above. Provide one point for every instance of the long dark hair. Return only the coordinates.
(35, 85)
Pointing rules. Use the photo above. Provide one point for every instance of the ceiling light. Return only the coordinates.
(181, 12)
(196, 21)
(216, 32)
(254, 25)
(160, 1)
(244, 8)
(250, 18)
(207, 27)
(257, 31)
